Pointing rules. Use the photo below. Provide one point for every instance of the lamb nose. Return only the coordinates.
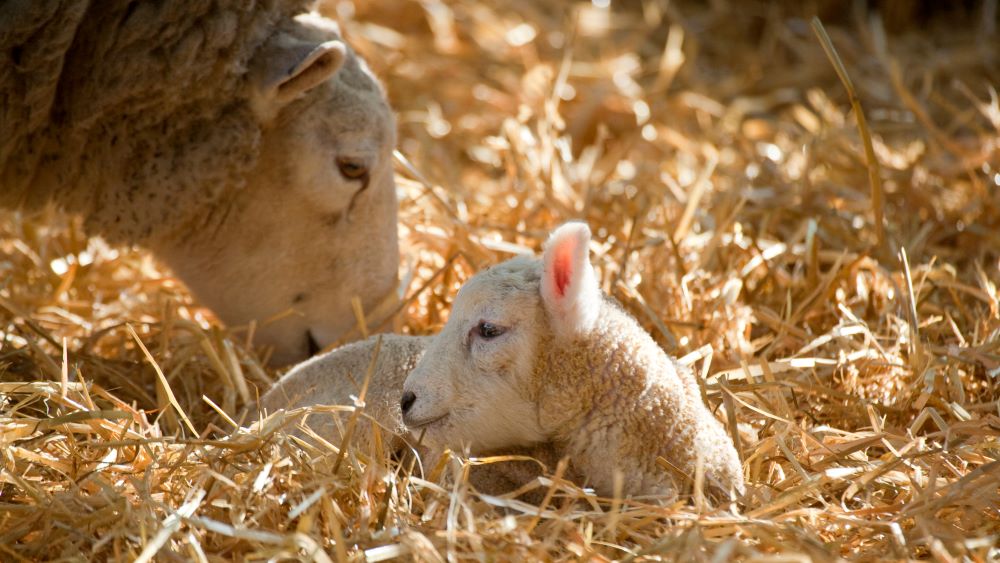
(407, 401)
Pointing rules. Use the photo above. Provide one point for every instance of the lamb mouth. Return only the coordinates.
(417, 425)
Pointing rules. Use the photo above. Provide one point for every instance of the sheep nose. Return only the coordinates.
(407, 401)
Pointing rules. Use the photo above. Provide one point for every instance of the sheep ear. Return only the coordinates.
(288, 67)
(569, 288)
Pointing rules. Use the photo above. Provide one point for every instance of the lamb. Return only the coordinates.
(243, 142)
(534, 353)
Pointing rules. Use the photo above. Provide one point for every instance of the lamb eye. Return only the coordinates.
(352, 169)
(489, 330)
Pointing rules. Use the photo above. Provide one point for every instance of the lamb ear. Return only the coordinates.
(569, 288)
(287, 67)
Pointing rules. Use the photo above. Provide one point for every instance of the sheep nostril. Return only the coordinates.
(312, 347)
(407, 401)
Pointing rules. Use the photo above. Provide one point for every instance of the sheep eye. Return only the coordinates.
(489, 330)
(352, 169)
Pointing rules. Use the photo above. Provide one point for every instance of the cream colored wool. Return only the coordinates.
(335, 378)
(243, 142)
(534, 353)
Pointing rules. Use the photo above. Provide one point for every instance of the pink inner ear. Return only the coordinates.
(562, 265)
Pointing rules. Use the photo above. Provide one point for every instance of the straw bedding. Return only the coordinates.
(834, 286)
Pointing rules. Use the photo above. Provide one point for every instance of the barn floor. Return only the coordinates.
(834, 283)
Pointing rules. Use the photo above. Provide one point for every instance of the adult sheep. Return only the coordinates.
(243, 142)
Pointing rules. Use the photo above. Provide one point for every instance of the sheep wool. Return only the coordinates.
(142, 91)
(336, 378)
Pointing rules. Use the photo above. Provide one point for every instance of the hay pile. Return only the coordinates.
(713, 151)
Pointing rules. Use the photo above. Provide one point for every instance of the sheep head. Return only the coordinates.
(477, 385)
(315, 222)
